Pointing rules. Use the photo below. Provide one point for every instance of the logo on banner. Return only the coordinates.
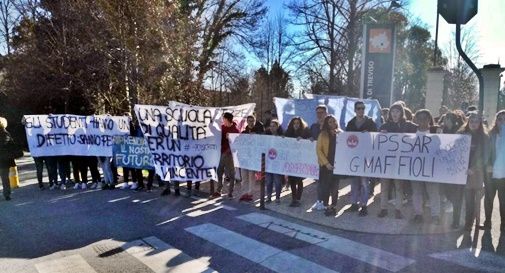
(380, 40)
(352, 141)
(272, 153)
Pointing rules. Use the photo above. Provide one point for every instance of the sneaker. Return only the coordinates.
(418, 219)
(53, 187)
(177, 192)
(112, 186)
(41, 187)
(141, 188)
(383, 213)
(352, 208)
(63, 187)
(84, 186)
(293, 204)
(244, 197)
(435, 220)
(134, 186)
(277, 201)
(93, 185)
(125, 186)
(363, 212)
(187, 194)
(230, 196)
(269, 200)
(297, 203)
(165, 192)
(105, 187)
(398, 214)
(8, 198)
(330, 211)
(76, 186)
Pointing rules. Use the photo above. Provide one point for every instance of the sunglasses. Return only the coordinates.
(360, 108)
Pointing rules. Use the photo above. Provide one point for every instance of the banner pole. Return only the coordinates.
(262, 182)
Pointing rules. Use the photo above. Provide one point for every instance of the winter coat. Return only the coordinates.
(8, 150)
(368, 126)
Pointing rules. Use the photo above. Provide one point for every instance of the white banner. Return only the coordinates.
(239, 112)
(423, 157)
(287, 156)
(54, 135)
(185, 141)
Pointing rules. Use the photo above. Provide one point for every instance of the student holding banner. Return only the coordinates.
(396, 123)
(479, 154)
(272, 179)
(226, 162)
(497, 168)
(315, 129)
(359, 185)
(325, 149)
(297, 128)
(248, 176)
(425, 123)
(454, 192)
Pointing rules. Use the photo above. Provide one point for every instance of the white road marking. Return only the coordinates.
(270, 257)
(371, 255)
(69, 264)
(162, 257)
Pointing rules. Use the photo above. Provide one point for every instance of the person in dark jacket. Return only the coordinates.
(248, 176)
(273, 179)
(297, 128)
(396, 123)
(360, 185)
(7, 156)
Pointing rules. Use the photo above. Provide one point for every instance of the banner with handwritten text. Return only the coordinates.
(54, 135)
(185, 141)
(132, 152)
(422, 157)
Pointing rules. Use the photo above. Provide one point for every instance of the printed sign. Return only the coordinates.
(423, 157)
(286, 156)
(132, 152)
(54, 135)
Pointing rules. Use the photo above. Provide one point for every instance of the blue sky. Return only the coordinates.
(488, 26)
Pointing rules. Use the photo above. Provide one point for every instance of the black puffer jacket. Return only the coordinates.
(7, 148)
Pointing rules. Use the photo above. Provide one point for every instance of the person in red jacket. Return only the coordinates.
(226, 162)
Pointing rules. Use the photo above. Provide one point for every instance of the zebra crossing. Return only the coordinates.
(158, 256)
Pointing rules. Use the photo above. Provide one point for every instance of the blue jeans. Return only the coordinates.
(271, 179)
(359, 191)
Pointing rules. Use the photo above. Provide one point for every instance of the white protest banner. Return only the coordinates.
(185, 141)
(54, 135)
(286, 156)
(239, 112)
(341, 107)
(422, 157)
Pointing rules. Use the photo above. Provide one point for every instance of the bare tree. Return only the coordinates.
(8, 19)
(330, 36)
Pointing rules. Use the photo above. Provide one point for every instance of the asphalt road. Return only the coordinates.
(127, 231)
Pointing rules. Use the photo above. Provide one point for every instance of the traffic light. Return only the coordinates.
(457, 11)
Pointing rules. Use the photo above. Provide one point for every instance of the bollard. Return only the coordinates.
(14, 177)
(262, 182)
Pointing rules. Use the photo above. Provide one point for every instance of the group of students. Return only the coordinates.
(486, 170)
